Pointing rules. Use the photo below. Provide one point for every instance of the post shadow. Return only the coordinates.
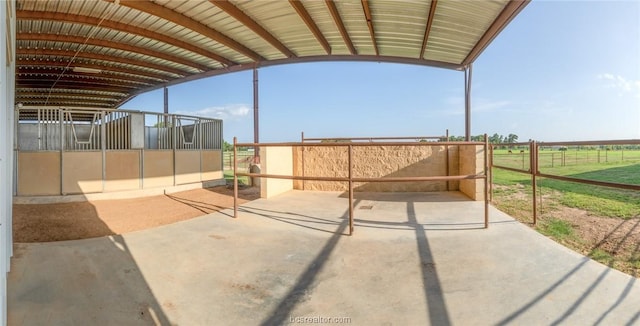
(280, 314)
(90, 281)
(438, 314)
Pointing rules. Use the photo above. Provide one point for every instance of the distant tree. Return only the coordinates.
(227, 147)
(162, 124)
(512, 138)
(496, 139)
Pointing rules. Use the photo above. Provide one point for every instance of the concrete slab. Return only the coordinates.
(415, 259)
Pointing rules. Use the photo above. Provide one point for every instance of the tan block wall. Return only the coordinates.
(81, 172)
(279, 161)
(375, 162)
(212, 165)
(122, 170)
(472, 162)
(187, 167)
(158, 168)
(38, 173)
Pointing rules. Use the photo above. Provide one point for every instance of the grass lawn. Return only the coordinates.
(601, 222)
(228, 175)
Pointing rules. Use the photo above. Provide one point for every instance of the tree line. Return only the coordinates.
(494, 139)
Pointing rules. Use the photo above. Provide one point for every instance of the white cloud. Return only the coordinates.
(622, 84)
(227, 112)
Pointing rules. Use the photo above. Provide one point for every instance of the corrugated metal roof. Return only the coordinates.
(102, 53)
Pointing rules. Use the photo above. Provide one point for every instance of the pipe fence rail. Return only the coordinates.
(350, 179)
(540, 157)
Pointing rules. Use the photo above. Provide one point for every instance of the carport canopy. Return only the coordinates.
(101, 54)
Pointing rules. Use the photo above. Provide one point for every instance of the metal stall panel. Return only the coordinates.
(38, 173)
(187, 167)
(211, 165)
(122, 170)
(158, 168)
(82, 172)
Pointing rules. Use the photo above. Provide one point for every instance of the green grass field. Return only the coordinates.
(512, 194)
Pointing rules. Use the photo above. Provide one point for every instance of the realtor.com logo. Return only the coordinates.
(319, 320)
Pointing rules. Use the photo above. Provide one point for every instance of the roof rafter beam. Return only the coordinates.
(101, 57)
(247, 21)
(60, 86)
(340, 24)
(86, 20)
(88, 99)
(107, 98)
(80, 103)
(69, 72)
(511, 9)
(367, 15)
(427, 29)
(73, 81)
(182, 20)
(311, 24)
(140, 75)
(108, 44)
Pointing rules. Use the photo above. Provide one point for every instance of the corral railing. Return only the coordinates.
(110, 140)
(350, 179)
(536, 158)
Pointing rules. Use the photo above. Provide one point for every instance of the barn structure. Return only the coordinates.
(67, 66)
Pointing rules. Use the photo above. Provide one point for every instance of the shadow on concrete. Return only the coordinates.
(98, 283)
(438, 314)
(299, 291)
(510, 318)
(589, 289)
(305, 221)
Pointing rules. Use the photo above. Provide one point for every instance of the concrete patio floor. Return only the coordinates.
(414, 259)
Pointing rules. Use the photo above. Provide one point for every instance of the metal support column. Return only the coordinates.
(467, 102)
(166, 106)
(256, 118)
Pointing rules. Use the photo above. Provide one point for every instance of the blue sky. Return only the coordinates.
(562, 70)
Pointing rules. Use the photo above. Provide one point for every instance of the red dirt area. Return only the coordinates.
(90, 219)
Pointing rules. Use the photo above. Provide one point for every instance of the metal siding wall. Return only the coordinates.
(7, 83)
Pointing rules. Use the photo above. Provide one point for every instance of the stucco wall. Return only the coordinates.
(279, 161)
(374, 162)
(472, 162)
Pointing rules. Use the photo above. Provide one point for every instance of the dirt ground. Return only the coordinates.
(80, 220)
(614, 242)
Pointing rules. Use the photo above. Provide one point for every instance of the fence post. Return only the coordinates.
(533, 149)
(350, 189)
(486, 181)
(235, 178)
(302, 158)
(598, 156)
